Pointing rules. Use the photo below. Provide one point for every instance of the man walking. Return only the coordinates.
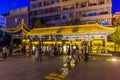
(4, 52)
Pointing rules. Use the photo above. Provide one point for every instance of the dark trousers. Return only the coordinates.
(4, 55)
(10, 54)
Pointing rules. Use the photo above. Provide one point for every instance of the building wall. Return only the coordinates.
(2, 21)
(58, 12)
(16, 17)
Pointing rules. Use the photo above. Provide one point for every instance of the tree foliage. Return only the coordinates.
(116, 35)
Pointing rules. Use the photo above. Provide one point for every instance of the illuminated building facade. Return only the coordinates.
(15, 17)
(95, 37)
(59, 12)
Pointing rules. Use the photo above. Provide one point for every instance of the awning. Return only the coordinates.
(77, 29)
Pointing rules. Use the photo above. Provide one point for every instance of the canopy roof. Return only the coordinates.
(20, 27)
(74, 29)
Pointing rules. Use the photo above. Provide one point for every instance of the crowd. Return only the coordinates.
(50, 51)
(6, 50)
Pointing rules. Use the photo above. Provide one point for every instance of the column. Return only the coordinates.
(106, 44)
(89, 45)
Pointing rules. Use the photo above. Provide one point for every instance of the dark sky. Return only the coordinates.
(115, 6)
(6, 5)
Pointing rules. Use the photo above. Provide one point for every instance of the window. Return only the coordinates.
(65, 0)
(108, 1)
(16, 20)
(35, 12)
(83, 4)
(55, 2)
(93, 2)
(40, 4)
(101, 1)
(33, 0)
(33, 6)
(45, 3)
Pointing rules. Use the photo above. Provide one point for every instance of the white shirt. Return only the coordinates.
(4, 49)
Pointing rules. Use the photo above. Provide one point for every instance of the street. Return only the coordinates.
(25, 68)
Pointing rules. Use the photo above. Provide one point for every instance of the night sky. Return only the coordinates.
(6, 5)
(115, 6)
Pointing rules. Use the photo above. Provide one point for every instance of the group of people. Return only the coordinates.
(6, 51)
(50, 51)
(76, 55)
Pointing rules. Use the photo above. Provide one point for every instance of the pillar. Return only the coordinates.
(106, 44)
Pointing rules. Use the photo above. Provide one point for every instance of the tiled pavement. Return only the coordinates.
(100, 68)
(24, 68)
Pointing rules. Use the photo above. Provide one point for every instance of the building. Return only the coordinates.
(2, 21)
(16, 16)
(95, 38)
(60, 12)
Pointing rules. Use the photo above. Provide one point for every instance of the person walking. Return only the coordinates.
(4, 52)
(77, 53)
(40, 51)
(10, 50)
(36, 53)
(24, 50)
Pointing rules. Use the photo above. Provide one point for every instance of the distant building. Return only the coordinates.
(2, 22)
(59, 12)
(16, 16)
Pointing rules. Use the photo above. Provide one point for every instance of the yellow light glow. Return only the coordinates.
(35, 43)
(33, 48)
(64, 48)
(74, 47)
(114, 59)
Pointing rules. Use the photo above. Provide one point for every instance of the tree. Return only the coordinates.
(116, 35)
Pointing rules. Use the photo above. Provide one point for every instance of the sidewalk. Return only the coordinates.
(104, 69)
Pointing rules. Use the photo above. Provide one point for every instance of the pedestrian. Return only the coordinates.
(36, 53)
(40, 52)
(77, 53)
(68, 53)
(69, 59)
(24, 50)
(10, 50)
(4, 52)
(51, 51)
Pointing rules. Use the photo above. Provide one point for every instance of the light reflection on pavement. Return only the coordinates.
(61, 73)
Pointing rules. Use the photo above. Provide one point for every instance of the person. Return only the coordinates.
(24, 50)
(86, 53)
(86, 56)
(69, 59)
(73, 53)
(50, 51)
(10, 50)
(36, 53)
(40, 51)
(77, 53)
(4, 51)
(68, 53)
